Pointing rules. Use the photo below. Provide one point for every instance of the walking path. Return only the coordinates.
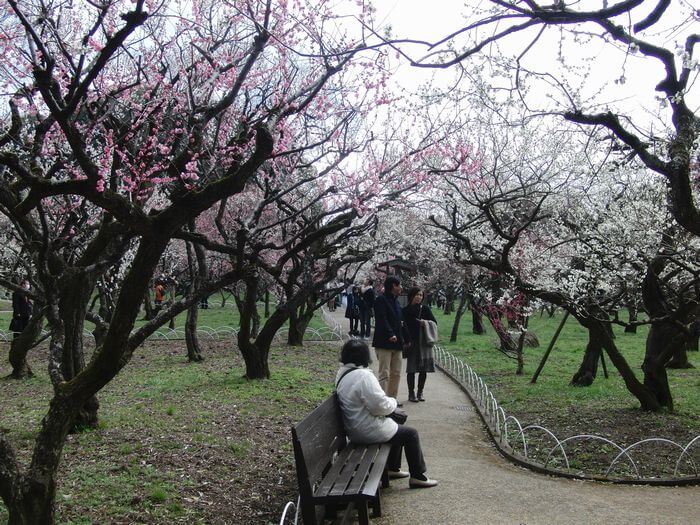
(478, 486)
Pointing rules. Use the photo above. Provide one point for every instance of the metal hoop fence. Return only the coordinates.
(312, 334)
(512, 438)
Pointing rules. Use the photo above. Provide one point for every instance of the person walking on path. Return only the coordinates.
(353, 310)
(21, 309)
(388, 340)
(365, 408)
(367, 312)
(418, 359)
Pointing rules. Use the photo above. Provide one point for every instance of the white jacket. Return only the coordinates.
(365, 405)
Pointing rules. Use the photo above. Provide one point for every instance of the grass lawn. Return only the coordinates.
(179, 442)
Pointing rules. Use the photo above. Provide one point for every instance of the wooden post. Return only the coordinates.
(549, 348)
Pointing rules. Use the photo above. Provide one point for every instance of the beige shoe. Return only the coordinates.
(398, 474)
(416, 483)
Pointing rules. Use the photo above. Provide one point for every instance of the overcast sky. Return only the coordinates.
(432, 20)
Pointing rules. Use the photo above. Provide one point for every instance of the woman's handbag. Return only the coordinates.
(399, 416)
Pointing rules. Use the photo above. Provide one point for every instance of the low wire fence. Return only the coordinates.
(222, 332)
(554, 455)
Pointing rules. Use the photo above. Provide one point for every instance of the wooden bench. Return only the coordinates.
(334, 474)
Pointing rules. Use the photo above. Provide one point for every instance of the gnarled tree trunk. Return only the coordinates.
(197, 263)
(588, 369)
(458, 315)
(74, 300)
(477, 319)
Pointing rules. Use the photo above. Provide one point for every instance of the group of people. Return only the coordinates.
(366, 401)
(359, 309)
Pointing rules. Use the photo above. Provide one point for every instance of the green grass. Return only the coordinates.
(552, 388)
(160, 406)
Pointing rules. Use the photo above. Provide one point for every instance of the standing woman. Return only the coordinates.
(21, 309)
(418, 361)
(352, 311)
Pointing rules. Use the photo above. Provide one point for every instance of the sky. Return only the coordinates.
(614, 79)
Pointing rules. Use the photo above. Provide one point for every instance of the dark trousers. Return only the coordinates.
(365, 323)
(411, 381)
(406, 438)
(354, 323)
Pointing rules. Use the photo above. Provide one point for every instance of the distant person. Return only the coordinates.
(420, 360)
(388, 340)
(204, 303)
(352, 310)
(159, 294)
(21, 309)
(367, 313)
(365, 406)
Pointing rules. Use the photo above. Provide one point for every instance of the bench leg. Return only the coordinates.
(377, 507)
(385, 478)
(362, 516)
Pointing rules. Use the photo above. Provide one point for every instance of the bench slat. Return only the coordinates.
(375, 476)
(355, 473)
(340, 473)
(363, 470)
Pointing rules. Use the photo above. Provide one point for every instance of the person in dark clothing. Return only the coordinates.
(413, 313)
(367, 312)
(388, 340)
(21, 309)
(353, 310)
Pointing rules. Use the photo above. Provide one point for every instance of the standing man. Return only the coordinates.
(21, 309)
(366, 314)
(387, 341)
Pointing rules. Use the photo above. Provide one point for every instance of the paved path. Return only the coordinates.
(478, 486)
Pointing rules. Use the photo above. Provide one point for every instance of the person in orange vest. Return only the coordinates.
(160, 294)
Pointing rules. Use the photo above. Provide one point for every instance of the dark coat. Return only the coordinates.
(354, 307)
(416, 360)
(21, 311)
(21, 305)
(411, 314)
(369, 297)
(387, 315)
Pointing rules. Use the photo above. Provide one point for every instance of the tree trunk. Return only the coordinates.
(256, 359)
(32, 501)
(520, 355)
(298, 323)
(458, 316)
(20, 346)
(297, 328)
(663, 339)
(267, 303)
(194, 352)
(477, 320)
(587, 371)
(147, 306)
(197, 265)
(631, 328)
(255, 353)
(74, 299)
(507, 346)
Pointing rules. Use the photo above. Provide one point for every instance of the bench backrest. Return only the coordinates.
(317, 438)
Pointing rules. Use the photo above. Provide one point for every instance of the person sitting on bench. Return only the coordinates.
(365, 408)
